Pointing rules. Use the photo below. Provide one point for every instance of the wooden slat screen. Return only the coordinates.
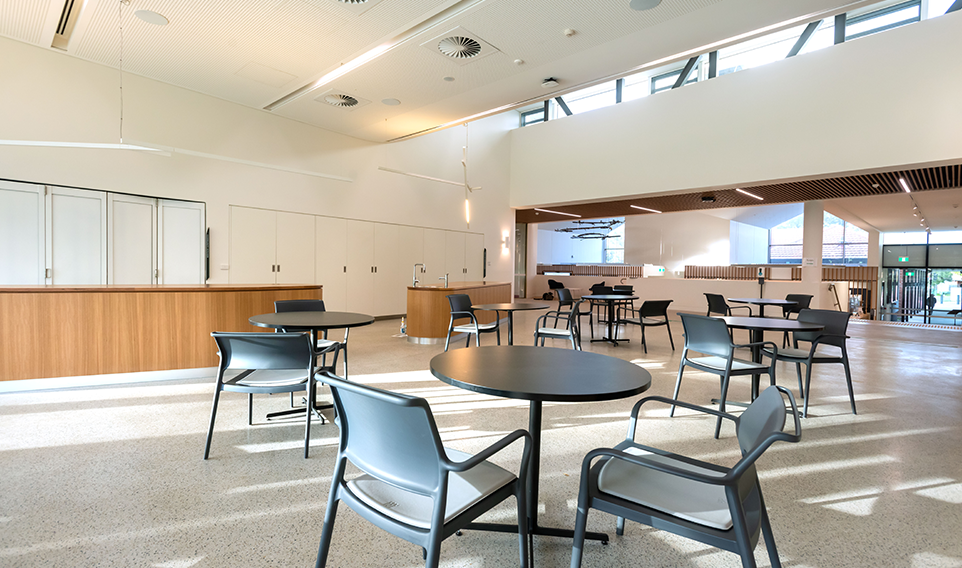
(612, 270)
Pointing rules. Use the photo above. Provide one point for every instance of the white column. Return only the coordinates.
(812, 250)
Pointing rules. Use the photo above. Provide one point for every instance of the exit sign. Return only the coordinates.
(903, 259)
(910, 274)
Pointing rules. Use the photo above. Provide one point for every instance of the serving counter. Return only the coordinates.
(428, 311)
(65, 331)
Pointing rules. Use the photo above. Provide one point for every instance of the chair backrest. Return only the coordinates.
(281, 306)
(706, 335)
(594, 286)
(623, 288)
(460, 303)
(763, 421)
(264, 350)
(390, 436)
(554, 284)
(564, 297)
(836, 323)
(654, 308)
(802, 301)
(717, 304)
(603, 290)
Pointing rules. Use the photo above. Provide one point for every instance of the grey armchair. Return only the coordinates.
(571, 331)
(460, 309)
(709, 336)
(412, 486)
(324, 345)
(826, 346)
(719, 506)
(255, 352)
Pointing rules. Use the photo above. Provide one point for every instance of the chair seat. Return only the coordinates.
(464, 490)
(792, 353)
(720, 362)
(683, 498)
(280, 378)
(550, 331)
(467, 328)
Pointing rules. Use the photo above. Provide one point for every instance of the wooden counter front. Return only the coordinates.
(429, 312)
(65, 331)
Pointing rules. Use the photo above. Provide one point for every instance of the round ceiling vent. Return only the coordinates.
(340, 100)
(459, 47)
(352, 2)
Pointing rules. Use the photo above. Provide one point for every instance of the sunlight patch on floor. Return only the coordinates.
(858, 507)
(182, 563)
(284, 446)
(321, 481)
(947, 493)
(828, 466)
(933, 560)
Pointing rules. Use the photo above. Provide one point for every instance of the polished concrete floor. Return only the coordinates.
(113, 476)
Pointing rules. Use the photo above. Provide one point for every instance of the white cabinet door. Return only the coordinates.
(21, 234)
(473, 257)
(330, 265)
(454, 255)
(434, 255)
(388, 282)
(76, 236)
(181, 242)
(252, 245)
(360, 266)
(295, 249)
(131, 239)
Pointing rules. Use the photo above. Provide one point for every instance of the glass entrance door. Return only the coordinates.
(945, 295)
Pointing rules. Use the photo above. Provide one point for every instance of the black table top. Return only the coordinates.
(540, 373)
(312, 320)
(609, 297)
(770, 324)
(763, 301)
(511, 306)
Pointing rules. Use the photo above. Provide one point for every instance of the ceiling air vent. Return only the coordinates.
(68, 18)
(357, 7)
(460, 46)
(340, 99)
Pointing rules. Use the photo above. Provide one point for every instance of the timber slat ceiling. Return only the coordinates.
(923, 179)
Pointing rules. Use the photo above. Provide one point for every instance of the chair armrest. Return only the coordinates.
(666, 400)
(489, 451)
(749, 308)
(662, 467)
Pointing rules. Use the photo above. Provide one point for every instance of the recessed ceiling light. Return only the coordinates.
(557, 212)
(742, 191)
(905, 185)
(391, 102)
(449, 79)
(152, 17)
(646, 209)
(643, 4)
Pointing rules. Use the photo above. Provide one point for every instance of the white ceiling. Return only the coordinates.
(256, 52)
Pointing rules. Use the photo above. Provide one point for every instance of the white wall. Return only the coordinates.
(877, 102)
(46, 95)
(673, 240)
(560, 248)
(749, 244)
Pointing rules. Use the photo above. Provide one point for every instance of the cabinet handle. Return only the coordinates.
(273, 268)
(278, 267)
(345, 270)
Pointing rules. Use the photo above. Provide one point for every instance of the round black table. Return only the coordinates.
(757, 328)
(610, 300)
(312, 322)
(762, 302)
(510, 307)
(539, 374)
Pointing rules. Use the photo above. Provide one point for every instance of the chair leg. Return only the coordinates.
(620, 526)
(447, 340)
(643, 344)
(681, 369)
(213, 413)
(808, 388)
(591, 324)
(477, 338)
(344, 349)
(739, 525)
(721, 403)
(498, 333)
(250, 409)
(524, 551)
(311, 387)
(581, 525)
(848, 381)
(433, 549)
(798, 371)
(768, 535)
(670, 340)
(327, 531)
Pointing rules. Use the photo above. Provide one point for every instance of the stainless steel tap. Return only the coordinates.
(445, 278)
(416, 273)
